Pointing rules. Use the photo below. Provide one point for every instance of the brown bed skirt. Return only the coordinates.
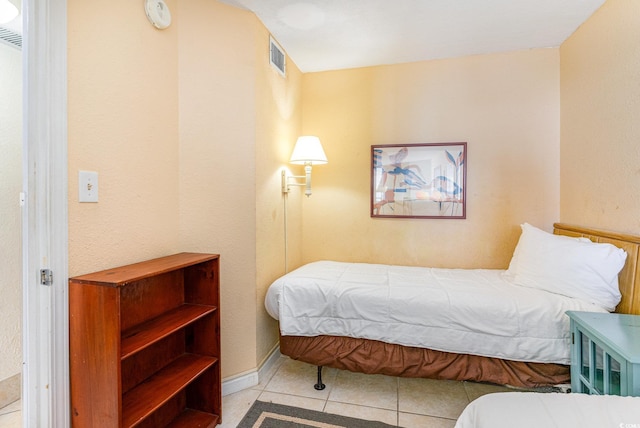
(370, 356)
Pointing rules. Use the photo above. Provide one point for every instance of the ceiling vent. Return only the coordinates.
(10, 38)
(277, 58)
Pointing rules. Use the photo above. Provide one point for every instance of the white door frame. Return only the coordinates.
(45, 374)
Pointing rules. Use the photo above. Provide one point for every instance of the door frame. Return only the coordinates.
(45, 332)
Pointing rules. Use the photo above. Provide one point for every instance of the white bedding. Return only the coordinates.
(535, 410)
(470, 311)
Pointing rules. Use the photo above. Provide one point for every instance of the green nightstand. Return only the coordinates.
(605, 353)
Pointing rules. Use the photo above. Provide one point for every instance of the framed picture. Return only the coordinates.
(419, 180)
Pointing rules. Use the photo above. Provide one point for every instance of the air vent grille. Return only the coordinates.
(10, 38)
(277, 58)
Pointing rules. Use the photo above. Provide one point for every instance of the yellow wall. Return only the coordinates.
(217, 201)
(600, 81)
(505, 106)
(122, 123)
(174, 122)
(279, 120)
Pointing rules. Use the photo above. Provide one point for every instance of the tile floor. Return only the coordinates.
(11, 416)
(404, 402)
(408, 403)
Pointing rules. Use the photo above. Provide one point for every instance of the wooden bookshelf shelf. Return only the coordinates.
(141, 336)
(194, 419)
(147, 397)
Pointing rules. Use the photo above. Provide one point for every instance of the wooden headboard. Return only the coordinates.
(629, 277)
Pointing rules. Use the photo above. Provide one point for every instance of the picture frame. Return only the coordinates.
(424, 180)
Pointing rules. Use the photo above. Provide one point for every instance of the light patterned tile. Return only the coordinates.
(268, 375)
(365, 390)
(11, 420)
(293, 400)
(297, 378)
(424, 403)
(16, 406)
(362, 412)
(440, 398)
(235, 406)
(10, 390)
(409, 420)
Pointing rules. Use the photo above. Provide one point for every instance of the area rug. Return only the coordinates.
(271, 415)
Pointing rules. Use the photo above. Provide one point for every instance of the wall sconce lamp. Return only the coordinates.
(307, 151)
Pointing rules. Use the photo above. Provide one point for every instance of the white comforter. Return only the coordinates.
(470, 311)
(535, 410)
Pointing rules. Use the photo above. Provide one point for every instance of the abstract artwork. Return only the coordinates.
(419, 180)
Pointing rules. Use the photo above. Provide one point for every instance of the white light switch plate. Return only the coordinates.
(88, 186)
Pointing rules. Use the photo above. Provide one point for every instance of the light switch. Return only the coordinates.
(88, 186)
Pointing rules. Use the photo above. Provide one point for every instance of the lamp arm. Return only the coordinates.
(286, 183)
(307, 172)
(307, 180)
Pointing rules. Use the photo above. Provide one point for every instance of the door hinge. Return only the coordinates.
(46, 277)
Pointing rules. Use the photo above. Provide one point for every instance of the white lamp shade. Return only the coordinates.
(8, 11)
(308, 150)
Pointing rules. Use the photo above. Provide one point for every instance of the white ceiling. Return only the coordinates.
(321, 35)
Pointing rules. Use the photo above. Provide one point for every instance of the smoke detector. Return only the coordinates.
(158, 13)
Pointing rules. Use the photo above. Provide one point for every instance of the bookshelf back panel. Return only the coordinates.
(148, 298)
(165, 414)
(200, 277)
(145, 363)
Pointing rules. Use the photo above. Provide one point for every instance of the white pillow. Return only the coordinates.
(530, 236)
(573, 267)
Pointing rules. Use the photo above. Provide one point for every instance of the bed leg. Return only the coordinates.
(319, 386)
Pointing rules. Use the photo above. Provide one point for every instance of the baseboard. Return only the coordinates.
(10, 390)
(251, 378)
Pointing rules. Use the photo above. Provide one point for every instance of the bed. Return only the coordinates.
(533, 410)
(513, 345)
